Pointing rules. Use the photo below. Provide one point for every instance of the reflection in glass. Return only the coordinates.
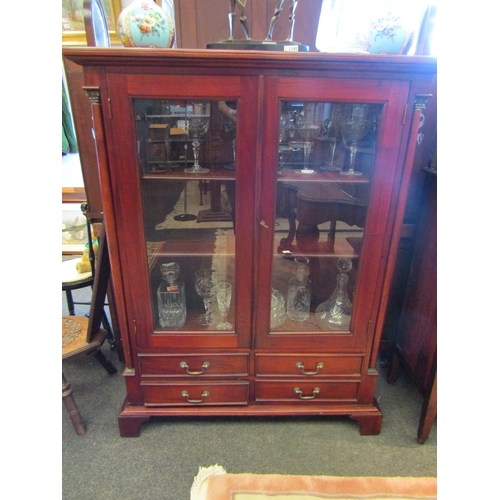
(188, 219)
(320, 217)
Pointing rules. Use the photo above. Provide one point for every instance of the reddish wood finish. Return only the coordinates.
(307, 365)
(195, 365)
(301, 391)
(251, 364)
(416, 342)
(195, 393)
(86, 146)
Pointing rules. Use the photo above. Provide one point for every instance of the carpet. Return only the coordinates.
(213, 483)
(189, 202)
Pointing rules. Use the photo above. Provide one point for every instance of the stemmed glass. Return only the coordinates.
(308, 125)
(223, 291)
(230, 128)
(204, 288)
(333, 133)
(198, 127)
(358, 119)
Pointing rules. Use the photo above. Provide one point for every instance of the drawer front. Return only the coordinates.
(195, 394)
(307, 365)
(194, 365)
(300, 391)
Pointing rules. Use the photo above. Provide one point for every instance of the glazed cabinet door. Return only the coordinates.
(179, 168)
(329, 172)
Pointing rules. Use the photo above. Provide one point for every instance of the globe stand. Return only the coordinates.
(185, 217)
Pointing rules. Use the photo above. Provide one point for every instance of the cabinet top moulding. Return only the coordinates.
(219, 59)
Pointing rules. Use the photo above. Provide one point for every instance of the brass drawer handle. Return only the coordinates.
(299, 392)
(206, 364)
(300, 366)
(204, 394)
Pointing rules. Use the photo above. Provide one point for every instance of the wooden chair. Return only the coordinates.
(82, 335)
(74, 280)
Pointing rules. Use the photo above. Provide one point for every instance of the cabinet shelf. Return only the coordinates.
(175, 115)
(292, 175)
(179, 174)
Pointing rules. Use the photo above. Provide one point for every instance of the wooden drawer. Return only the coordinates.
(194, 365)
(180, 393)
(307, 365)
(301, 391)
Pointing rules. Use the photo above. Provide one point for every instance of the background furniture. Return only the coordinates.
(82, 335)
(97, 35)
(252, 369)
(74, 280)
(415, 346)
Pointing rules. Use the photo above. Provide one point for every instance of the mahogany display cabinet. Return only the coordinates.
(284, 175)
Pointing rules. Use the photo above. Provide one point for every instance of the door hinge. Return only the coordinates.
(109, 109)
(135, 327)
(404, 113)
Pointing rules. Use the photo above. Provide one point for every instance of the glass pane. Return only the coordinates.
(326, 158)
(186, 152)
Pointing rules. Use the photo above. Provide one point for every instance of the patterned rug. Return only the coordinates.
(213, 483)
(189, 202)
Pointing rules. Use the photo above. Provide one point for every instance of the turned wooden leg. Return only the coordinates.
(109, 367)
(286, 243)
(72, 408)
(131, 426)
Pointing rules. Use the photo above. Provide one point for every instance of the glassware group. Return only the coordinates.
(172, 299)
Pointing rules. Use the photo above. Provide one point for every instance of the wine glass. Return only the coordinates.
(198, 127)
(229, 126)
(333, 134)
(204, 288)
(358, 119)
(308, 125)
(223, 292)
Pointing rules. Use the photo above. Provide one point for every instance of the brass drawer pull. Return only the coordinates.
(206, 364)
(300, 366)
(204, 394)
(299, 392)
